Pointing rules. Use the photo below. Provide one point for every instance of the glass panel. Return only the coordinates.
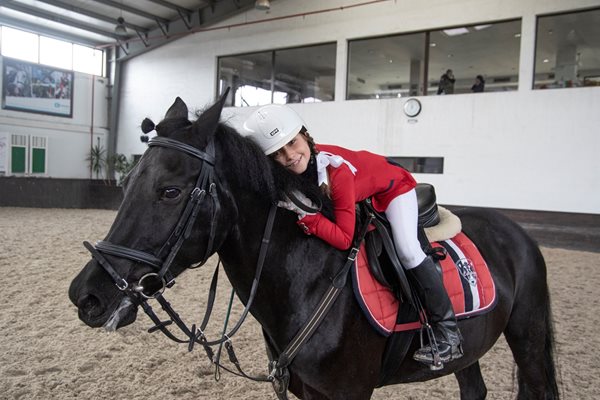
(19, 44)
(386, 67)
(490, 51)
(249, 76)
(567, 52)
(88, 60)
(305, 75)
(56, 53)
(421, 165)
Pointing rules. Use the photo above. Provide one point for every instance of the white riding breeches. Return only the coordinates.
(403, 215)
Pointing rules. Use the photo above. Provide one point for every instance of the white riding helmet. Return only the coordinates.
(273, 126)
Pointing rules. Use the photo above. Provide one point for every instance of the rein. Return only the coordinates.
(153, 284)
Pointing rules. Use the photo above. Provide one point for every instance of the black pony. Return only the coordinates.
(239, 185)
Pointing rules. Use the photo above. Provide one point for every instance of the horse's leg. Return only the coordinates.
(529, 334)
(470, 382)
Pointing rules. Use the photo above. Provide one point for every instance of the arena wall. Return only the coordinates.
(524, 149)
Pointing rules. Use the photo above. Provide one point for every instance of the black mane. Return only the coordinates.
(245, 164)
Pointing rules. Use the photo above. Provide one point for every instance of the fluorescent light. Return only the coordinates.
(455, 31)
(480, 27)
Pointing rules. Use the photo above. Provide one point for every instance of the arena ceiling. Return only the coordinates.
(147, 23)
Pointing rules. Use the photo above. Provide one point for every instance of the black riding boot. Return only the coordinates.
(431, 292)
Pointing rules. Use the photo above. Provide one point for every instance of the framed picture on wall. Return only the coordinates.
(36, 88)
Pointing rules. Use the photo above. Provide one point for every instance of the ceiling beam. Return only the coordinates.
(172, 6)
(36, 12)
(203, 18)
(91, 14)
(133, 10)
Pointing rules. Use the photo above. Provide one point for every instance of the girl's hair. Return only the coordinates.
(313, 152)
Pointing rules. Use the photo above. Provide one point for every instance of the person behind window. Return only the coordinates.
(479, 84)
(347, 177)
(446, 85)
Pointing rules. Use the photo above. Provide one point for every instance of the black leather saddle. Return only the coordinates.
(381, 253)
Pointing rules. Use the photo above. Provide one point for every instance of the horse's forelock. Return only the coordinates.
(167, 127)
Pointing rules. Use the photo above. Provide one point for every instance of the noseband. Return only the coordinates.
(162, 261)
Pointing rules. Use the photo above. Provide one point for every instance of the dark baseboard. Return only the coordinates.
(575, 231)
(553, 229)
(59, 193)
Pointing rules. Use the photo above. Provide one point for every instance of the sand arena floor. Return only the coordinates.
(47, 353)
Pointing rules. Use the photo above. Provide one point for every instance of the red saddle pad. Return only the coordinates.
(467, 280)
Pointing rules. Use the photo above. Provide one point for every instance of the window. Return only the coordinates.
(413, 64)
(298, 75)
(19, 44)
(488, 50)
(421, 165)
(567, 51)
(40, 49)
(88, 60)
(56, 53)
(386, 67)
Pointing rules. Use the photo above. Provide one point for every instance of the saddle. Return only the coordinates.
(384, 264)
(380, 283)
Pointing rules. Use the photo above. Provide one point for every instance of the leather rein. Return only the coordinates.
(162, 278)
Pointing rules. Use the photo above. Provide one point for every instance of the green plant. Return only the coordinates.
(122, 166)
(97, 158)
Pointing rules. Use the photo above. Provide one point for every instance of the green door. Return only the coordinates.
(38, 161)
(18, 160)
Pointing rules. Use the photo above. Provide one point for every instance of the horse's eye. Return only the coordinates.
(170, 193)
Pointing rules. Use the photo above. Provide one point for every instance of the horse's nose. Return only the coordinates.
(89, 307)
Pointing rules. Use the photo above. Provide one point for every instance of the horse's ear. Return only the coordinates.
(177, 110)
(209, 119)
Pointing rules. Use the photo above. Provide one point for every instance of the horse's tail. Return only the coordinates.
(549, 353)
(550, 371)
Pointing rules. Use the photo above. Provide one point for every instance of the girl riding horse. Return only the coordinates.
(348, 177)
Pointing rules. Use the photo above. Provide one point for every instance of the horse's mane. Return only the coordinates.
(245, 164)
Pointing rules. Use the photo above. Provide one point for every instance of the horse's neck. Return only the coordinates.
(295, 273)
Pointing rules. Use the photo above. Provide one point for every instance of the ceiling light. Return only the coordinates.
(433, 44)
(120, 28)
(455, 31)
(262, 5)
(518, 35)
(480, 27)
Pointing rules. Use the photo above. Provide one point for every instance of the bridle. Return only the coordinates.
(152, 285)
(161, 262)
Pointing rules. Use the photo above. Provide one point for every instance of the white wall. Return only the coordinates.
(523, 150)
(68, 139)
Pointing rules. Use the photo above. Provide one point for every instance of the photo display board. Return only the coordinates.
(37, 88)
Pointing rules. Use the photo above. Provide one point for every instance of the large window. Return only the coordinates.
(40, 49)
(297, 75)
(413, 64)
(567, 51)
(386, 67)
(490, 51)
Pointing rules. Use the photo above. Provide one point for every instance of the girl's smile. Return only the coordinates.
(295, 155)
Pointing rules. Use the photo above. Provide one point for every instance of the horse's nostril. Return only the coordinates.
(89, 305)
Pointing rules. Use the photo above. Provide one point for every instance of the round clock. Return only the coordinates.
(412, 107)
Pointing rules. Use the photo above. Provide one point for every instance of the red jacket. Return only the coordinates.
(375, 177)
